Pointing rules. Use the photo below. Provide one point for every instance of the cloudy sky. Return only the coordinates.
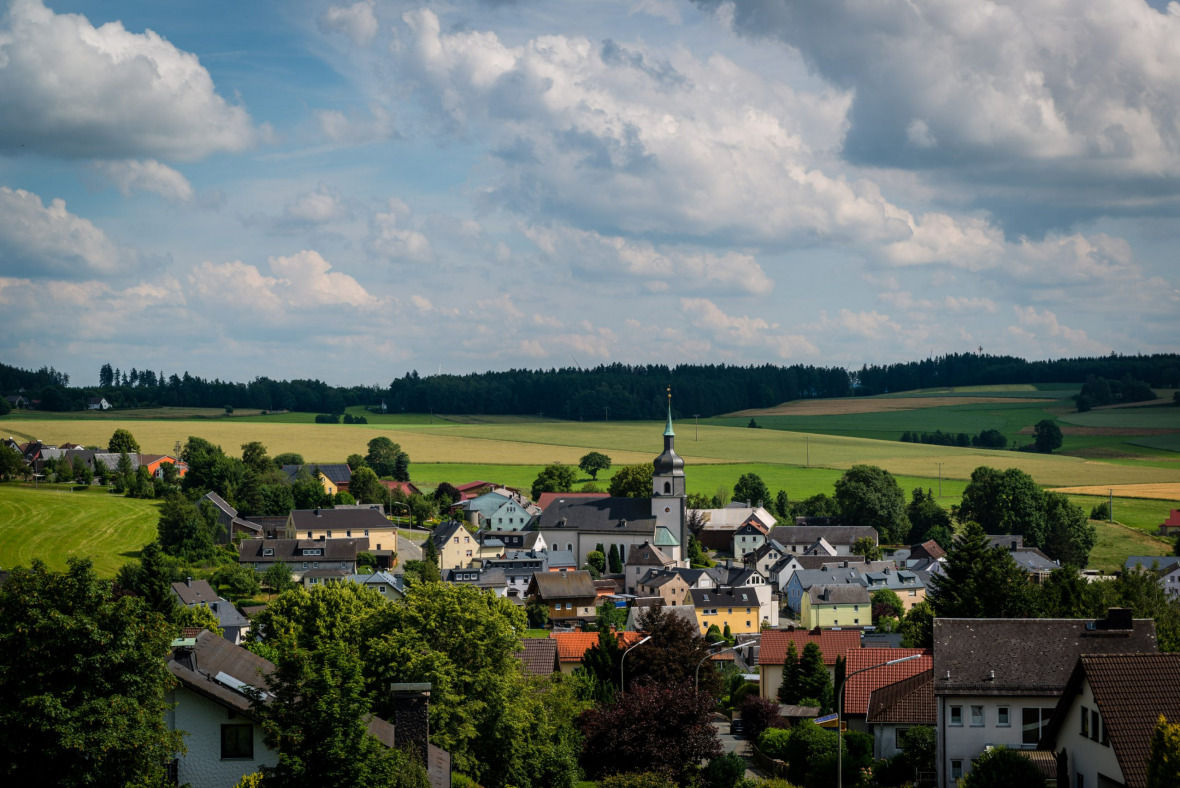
(349, 191)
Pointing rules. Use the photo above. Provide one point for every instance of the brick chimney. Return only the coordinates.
(411, 717)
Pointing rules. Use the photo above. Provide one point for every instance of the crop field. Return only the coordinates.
(843, 407)
(55, 523)
(142, 413)
(1151, 418)
(1164, 492)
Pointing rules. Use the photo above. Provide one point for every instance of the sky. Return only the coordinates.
(349, 191)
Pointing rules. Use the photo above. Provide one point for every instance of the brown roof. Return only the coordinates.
(291, 550)
(194, 592)
(832, 643)
(549, 497)
(551, 586)
(999, 656)
(1131, 691)
(858, 688)
(539, 656)
(906, 702)
(843, 594)
(929, 549)
(647, 554)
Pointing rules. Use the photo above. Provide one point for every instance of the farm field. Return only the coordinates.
(1117, 542)
(1153, 417)
(54, 523)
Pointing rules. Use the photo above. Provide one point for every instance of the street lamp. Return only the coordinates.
(712, 654)
(622, 683)
(840, 708)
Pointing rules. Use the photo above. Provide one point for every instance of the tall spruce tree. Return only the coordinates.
(814, 681)
(788, 690)
(980, 581)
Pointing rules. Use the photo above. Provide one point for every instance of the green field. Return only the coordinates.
(1117, 542)
(53, 523)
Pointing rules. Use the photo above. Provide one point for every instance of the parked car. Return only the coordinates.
(735, 727)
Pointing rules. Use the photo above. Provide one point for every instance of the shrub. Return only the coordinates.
(773, 743)
(724, 770)
(1002, 767)
(1100, 512)
(637, 780)
(758, 714)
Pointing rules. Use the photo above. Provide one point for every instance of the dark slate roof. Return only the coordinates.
(228, 615)
(829, 575)
(443, 532)
(1031, 560)
(723, 597)
(647, 555)
(1027, 656)
(220, 503)
(657, 577)
(839, 595)
(486, 577)
(599, 515)
(563, 585)
(194, 592)
(312, 519)
(906, 702)
(539, 656)
(1165, 562)
(809, 534)
(290, 550)
(691, 576)
(271, 524)
(1131, 691)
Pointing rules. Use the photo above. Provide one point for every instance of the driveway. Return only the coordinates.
(739, 745)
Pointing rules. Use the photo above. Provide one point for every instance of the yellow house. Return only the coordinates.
(455, 545)
(836, 606)
(737, 607)
(343, 524)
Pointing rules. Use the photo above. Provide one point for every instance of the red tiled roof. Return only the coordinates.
(857, 689)
(408, 488)
(832, 644)
(473, 485)
(909, 701)
(572, 645)
(1173, 518)
(549, 497)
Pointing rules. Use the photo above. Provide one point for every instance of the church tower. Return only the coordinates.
(667, 484)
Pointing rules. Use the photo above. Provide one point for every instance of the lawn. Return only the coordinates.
(53, 523)
(1117, 542)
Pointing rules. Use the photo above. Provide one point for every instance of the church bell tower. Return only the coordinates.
(667, 484)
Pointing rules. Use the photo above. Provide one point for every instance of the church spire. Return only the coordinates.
(668, 429)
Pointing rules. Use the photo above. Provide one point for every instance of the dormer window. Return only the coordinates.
(268, 551)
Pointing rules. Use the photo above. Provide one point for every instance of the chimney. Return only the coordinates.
(317, 512)
(411, 718)
(188, 582)
(1117, 618)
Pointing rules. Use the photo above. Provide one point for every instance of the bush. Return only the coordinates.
(240, 580)
(1002, 767)
(758, 714)
(327, 418)
(773, 743)
(1100, 512)
(637, 780)
(724, 771)
(741, 693)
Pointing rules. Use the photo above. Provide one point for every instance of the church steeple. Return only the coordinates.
(668, 429)
(669, 463)
(668, 493)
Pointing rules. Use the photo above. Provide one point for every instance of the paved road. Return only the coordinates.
(407, 549)
(741, 746)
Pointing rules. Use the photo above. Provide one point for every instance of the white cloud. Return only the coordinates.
(149, 175)
(319, 206)
(744, 331)
(301, 281)
(357, 128)
(38, 240)
(393, 235)
(1042, 331)
(75, 90)
(357, 21)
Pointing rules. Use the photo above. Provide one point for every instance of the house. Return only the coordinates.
(718, 525)
(515, 541)
(762, 559)
(302, 555)
(223, 739)
(334, 476)
(405, 488)
(391, 587)
(155, 464)
(486, 579)
(902, 582)
(737, 608)
(929, 550)
(859, 688)
(1103, 724)
(821, 547)
(798, 538)
(998, 681)
(519, 567)
(779, 574)
(97, 403)
(16, 401)
(642, 560)
(538, 656)
(499, 510)
(569, 596)
(227, 516)
(895, 708)
(342, 523)
(581, 524)
(475, 489)
(572, 646)
(748, 538)
(669, 586)
(832, 643)
(455, 545)
(1171, 526)
(836, 606)
(842, 573)
(194, 592)
(1166, 568)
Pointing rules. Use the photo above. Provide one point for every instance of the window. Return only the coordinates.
(305, 565)
(367, 533)
(1085, 731)
(1095, 724)
(343, 564)
(856, 608)
(976, 716)
(956, 715)
(347, 533)
(380, 589)
(1032, 723)
(456, 540)
(268, 551)
(856, 621)
(956, 770)
(1002, 717)
(329, 534)
(237, 741)
(315, 564)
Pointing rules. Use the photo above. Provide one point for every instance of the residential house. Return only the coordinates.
(223, 739)
(842, 573)
(519, 566)
(538, 656)
(1165, 567)
(1171, 526)
(895, 708)
(748, 538)
(767, 555)
(484, 578)
(572, 646)
(455, 545)
(515, 541)
(998, 681)
(547, 498)
(832, 643)
(669, 586)
(229, 525)
(696, 578)
(929, 550)
(799, 538)
(302, 555)
(334, 476)
(343, 523)
(155, 464)
(499, 510)
(739, 608)
(1103, 724)
(16, 401)
(719, 525)
(405, 488)
(390, 586)
(194, 592)
(641, 560)
(821, 547)
(569, 596)
(98, 403)
(779, 575)
(859, 688)
(836, 606)
(906, 584)
(470, 490)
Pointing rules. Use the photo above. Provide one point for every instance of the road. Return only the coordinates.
(739, 745)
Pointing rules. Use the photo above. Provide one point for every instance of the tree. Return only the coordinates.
(241, 581)
(752, 489)
(788, 690)
(663, 728)
(980, 581)
(594, 462)
(538, 614)
(672, 655)
(868, 495)
(197, 616)
(316, 718)
(446, 494)
(613, 560)
(632, 481)
(554, 478)
(758, 714)
(356, 462)
(724, 771)
(12, 464)
(1163, 757)
(1048, 436)
(106, 376)
(1004, 502)
(186, 531)
(928, 520)
(366, 487)
(919, 745)
(601, 661)
(865, 546)
(782, 504)
(151, 580)
(122, 441)
(83, 682)
(886, 602)
(277, 577)
(382, 456)
(81, 472)
(1069, 536)
(596, 561)
(254, 456)
(814, 680)
(289, 458)
(401, 467)
(1001, 767)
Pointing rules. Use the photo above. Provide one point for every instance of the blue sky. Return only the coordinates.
(353, 190)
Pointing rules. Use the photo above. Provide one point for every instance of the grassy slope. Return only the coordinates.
(53, 524)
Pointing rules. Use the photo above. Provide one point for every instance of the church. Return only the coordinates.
(581, 525)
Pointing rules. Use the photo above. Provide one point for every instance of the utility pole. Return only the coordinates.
(939, 479)
(606, 417)
(1110, 505)
(697, 418)
(807, 445)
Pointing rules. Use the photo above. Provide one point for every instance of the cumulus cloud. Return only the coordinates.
(393, 234)
(1042, 330)
(149, 176)
(357, 21)
(301, 281)
(357, 128)
(38, 240)
(75, 90)
(744, 331)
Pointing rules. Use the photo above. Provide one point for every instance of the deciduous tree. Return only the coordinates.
(752, 489)
(1163, 758)
(1002, 767)
(928, 520)
(868, 495)
(1048, 436)
(122, 441)
(553, 478)
(594, 462)
(632, 481)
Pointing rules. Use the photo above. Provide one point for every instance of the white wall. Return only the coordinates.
(965, 742)
(1086, 756)
(201, 720)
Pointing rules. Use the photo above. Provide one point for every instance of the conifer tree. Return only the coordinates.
(613, 560)
(788, 690)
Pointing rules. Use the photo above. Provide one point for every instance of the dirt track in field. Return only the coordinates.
(1165, 492)
(844, 407)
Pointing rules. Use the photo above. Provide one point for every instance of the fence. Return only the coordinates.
(772, 766)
